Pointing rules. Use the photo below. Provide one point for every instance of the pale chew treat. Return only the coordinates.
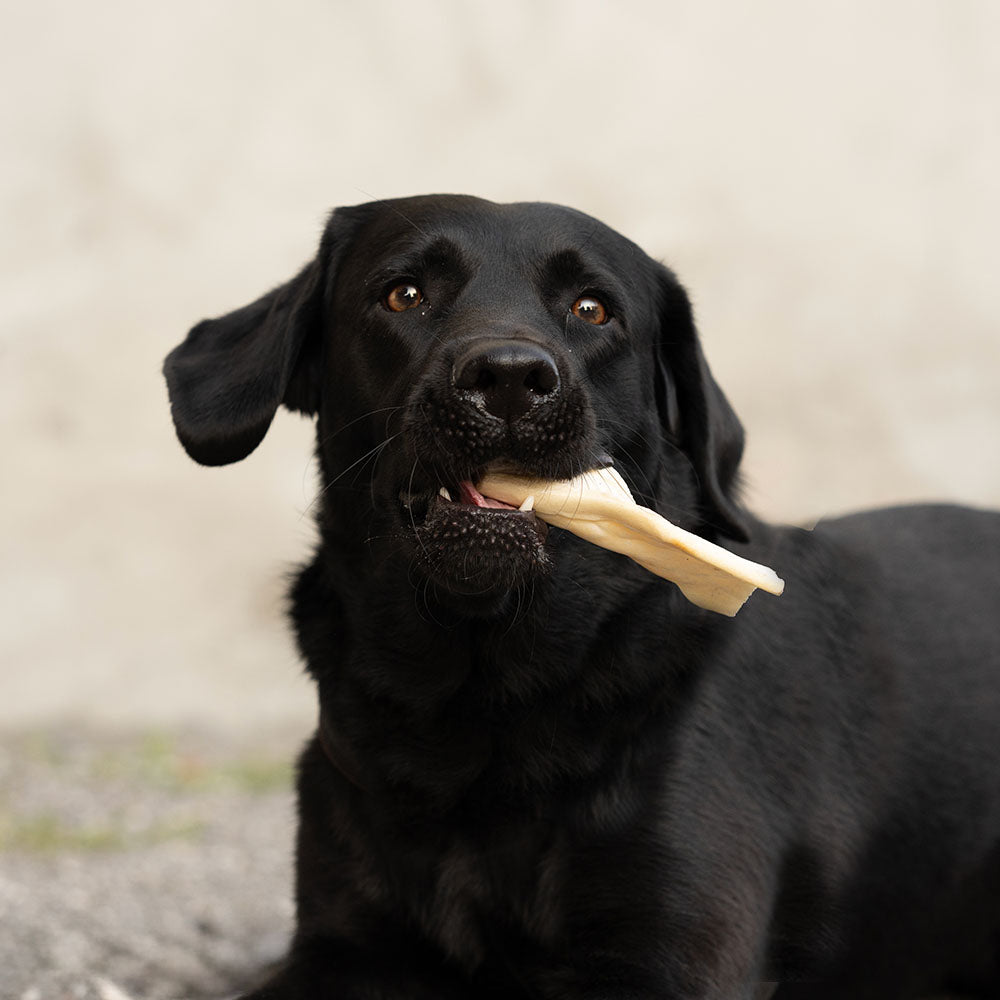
(598, 507)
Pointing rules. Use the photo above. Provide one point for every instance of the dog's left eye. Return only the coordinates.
(404, 297)
(590, 310)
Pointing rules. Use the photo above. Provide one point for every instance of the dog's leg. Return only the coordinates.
(641, 976)
(614, 988)
(352, 940)
(325, 970)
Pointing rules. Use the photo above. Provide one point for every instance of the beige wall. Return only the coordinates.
(825, 177)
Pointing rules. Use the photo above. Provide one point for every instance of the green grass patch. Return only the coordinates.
(47, 833)
(160, 761)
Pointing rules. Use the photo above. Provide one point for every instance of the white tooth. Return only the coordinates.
(529, 504)
(444, 492)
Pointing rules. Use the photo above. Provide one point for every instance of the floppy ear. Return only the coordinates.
(227, 379)
(695, 412)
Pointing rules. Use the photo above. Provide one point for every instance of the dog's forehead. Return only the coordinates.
(488, 231)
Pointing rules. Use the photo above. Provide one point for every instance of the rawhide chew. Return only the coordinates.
(598, 507)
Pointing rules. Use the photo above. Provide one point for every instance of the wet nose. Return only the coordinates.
(508, 376)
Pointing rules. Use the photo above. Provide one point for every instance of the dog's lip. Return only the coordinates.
(461, 497)
(456, 489)
(470, 495)
(488, 508)
(464, 496)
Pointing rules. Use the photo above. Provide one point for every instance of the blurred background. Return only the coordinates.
(825, 179)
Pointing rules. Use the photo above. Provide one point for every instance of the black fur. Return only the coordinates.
(539, 772)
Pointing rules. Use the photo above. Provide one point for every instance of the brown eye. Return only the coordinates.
(590, 310)
(404, 297)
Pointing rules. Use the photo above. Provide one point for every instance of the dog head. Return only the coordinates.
(436, 337)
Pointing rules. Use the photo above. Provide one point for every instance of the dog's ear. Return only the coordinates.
(227, 379)
(695, 413)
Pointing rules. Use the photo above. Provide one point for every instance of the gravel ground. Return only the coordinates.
(151, 866)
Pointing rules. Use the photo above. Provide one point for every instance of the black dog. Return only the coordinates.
(539, 772)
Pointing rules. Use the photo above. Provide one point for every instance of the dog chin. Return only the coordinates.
(477, 552)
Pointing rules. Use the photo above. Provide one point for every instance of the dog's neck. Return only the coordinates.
(417, 697)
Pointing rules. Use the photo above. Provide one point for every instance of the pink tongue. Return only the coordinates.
(470, 495)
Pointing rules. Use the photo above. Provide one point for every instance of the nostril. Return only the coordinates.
(506, 377)
(473, 372)
(485, 379)
(542, 379)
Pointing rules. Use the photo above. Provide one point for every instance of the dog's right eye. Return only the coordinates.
(590, 310)
(404, 297)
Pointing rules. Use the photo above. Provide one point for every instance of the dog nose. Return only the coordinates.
(509, 376)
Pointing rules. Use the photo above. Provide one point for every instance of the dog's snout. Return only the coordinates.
(508, 376)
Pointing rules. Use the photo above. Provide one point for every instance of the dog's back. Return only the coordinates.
(935, 573)
(929, 881)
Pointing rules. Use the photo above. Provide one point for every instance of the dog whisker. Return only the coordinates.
(392, 208)
(370, 455)
(327, 439)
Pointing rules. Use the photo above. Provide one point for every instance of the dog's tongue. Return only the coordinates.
(470, 495)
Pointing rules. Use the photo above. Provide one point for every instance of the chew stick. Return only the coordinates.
(598, 507)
